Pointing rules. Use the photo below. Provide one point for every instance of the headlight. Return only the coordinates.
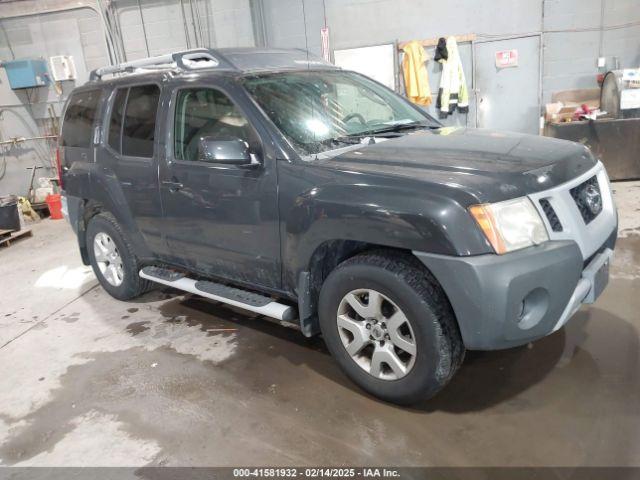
(510, 225)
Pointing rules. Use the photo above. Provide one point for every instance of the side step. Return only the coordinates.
(253, 302)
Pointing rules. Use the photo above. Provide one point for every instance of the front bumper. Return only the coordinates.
(502, 301)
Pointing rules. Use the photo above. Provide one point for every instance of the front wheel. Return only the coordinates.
(390, 326)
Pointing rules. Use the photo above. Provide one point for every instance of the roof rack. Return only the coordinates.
(187, 60)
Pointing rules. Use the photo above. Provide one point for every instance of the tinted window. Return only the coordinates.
(115, 124)
(140, 121)
(77, 127)
(205, 112)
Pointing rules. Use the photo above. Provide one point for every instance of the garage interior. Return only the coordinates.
(172, 379)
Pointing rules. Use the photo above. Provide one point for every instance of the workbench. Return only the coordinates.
(615, 141)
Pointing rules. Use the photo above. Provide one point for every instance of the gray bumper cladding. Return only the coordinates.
(502, 301)
(593, 281)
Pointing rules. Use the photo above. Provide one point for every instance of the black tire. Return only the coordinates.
(132, 285)
(403, 279)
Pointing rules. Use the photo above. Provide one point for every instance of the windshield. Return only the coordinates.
(324, 110)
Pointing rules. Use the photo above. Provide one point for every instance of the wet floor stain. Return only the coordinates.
(281, 399)
(110, 382)
(68, 317)
(136, 328)
(274, 397)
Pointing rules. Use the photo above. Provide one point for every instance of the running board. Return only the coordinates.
(253, 302)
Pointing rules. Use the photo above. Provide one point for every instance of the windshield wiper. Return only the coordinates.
(345, 139)
(357, 138)
(390, 129)
(400, 127)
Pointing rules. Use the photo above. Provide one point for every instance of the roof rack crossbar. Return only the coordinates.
(186, 60)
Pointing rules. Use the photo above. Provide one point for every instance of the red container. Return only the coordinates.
(54, 202)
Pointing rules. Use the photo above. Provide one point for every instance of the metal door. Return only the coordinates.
(509, 98)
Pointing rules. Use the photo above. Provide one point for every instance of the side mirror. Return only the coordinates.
(225, 152)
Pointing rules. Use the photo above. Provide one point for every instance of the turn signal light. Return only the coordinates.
(487, 223)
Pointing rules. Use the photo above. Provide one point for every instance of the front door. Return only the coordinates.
(220, 219)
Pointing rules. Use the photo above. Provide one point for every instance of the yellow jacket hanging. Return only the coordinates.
(416, 78)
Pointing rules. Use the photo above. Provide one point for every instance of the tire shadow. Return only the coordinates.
(484, 380)
(488, 378)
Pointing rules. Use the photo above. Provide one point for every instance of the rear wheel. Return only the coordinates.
(390, 326)
(113, 259)
(108, 259)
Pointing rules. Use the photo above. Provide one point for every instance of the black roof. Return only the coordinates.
(238, 60)
(262, 59)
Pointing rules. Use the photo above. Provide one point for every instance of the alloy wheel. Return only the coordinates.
(108, 259)
(377, 334)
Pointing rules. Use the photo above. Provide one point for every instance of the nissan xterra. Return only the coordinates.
(275, 182)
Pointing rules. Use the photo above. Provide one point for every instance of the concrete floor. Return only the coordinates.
(176, 380)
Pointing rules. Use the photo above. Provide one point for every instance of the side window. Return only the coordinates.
(206, 112)
(77, 126)
(138, 130)
(115, 124)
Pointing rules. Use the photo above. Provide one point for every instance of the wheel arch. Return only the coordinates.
(324, 259)
(89, 208)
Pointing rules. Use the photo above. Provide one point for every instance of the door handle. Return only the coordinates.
(173, 186)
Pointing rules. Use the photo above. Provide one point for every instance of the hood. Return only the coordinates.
(492, 166)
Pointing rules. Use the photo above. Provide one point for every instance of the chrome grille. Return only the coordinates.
(591, 236)
(578, 194)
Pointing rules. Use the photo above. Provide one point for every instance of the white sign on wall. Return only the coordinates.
(507, 58)
(630, 98)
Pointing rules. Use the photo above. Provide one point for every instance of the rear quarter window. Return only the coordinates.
(77, 126)
(138, 130)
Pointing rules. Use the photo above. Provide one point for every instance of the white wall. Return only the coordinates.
(25, 113)
(79, 32)
(575, 32)
(570, 52)
(223, 23)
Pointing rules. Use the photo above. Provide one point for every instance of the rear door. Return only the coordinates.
(129, 152)
(221, 220)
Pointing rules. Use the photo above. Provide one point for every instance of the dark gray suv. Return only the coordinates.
(274, 182)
